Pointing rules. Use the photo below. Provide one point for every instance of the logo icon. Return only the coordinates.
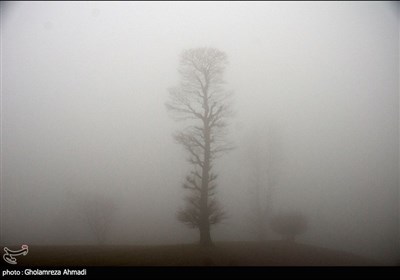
(10, 254)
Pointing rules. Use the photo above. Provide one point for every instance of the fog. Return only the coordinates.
(84, 86)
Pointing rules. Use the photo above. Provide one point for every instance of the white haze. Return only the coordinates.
(83, 92)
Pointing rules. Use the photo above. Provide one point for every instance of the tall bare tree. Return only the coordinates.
(201, 100)
(265, 155)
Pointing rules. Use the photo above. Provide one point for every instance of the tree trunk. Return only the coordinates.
(205, 236)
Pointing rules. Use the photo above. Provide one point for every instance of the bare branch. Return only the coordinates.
(212, 177)
(216, 213)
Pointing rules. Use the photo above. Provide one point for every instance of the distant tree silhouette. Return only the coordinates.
(98, 212)
(265, 154)
(201, 100)
(289, 224)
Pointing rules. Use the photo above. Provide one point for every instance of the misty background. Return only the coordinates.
(82, 112)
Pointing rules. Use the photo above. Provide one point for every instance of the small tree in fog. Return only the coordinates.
(289, 224)
(201, 101)
(98, 211)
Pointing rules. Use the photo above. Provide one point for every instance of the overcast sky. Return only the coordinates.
(83, 92)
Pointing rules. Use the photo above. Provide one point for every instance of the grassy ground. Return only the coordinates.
(273, 253)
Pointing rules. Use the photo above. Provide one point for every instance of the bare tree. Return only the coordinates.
(201, 99)
(98, 212)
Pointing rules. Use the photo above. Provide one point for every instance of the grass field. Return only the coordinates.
(273, 253)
